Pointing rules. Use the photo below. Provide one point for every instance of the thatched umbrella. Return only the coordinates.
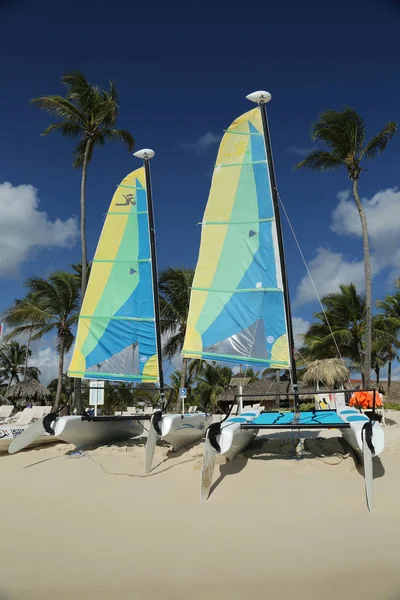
(28, 391)
(329, 371)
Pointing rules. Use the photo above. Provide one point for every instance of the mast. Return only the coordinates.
(261, 98)
(146, 155)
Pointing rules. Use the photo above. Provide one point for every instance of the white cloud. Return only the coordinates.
(330, 269)
(23, 227)
(46, 359)
(383, 218)
(203, 143)
(293, 149)
(300, 326)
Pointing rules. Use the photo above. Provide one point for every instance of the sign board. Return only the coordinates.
(96, 395)
(182, 392)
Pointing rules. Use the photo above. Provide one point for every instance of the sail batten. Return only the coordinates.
(116, 338)
(237, 311)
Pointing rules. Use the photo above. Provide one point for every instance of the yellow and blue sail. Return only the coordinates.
(116, 337)
(237, 311)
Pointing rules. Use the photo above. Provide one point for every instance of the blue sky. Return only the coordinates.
(183, 71)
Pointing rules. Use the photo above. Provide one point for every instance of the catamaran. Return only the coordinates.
(240, 309)
(119, 337)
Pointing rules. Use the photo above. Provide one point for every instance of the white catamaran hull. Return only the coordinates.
(95, 431)
(8, 433)
(232, 439)
(182, 430)
(353, 435)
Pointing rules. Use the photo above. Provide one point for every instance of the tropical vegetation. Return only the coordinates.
(343, 134)
(53, 308)
(88, 113)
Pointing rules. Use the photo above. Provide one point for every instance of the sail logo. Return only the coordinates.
(270, 339)
(129, 199)
(143, 359)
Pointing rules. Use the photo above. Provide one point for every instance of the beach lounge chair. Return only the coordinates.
(234, 410)
(131, 410)
(47, 410)
(25, 418)
(5, 411)
(148, 410)
(38, 412)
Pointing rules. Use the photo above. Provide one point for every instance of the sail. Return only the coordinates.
(237, 311)
(116, 338)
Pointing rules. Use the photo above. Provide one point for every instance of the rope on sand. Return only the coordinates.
(182, 462)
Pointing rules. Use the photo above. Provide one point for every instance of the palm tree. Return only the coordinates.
(8, 317)
(391, 323)
(345, 313)
(214, 380)
(13, 363)
(89, 113)
(175, 383)
(55, 309)
(343, 132)
(174, 286)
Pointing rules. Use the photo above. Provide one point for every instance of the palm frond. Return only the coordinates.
(79, 153)
(319, 160)
(60, 107)
(121, 135)
(378, 143)
(343, 131)
(173, 345)
(67, 129)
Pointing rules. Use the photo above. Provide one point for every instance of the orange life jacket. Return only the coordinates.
(365, 400)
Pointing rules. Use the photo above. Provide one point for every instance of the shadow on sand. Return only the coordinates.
(291, 446)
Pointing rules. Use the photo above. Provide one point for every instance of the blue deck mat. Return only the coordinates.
(324, 417)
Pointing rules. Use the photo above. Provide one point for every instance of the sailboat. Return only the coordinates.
(118, 337)
(240, 309)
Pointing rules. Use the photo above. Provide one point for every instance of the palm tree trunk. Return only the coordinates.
(182, 384)
(56, 405)
(83, 217)
(377, 371)
(78, 396)
(368, 285)
(9, 384)
(77, 382)
(389, 378)
(27, 354)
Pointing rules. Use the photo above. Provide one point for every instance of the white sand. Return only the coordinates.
(273, 528)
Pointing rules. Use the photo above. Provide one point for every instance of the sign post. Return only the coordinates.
(182, 394)
(96, 395)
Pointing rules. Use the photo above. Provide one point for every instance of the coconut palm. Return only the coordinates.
(390, 322)
(8, 317)
(174, 287)
(89, 113)
(214, 380)
(343, 133)
(345, 313)
(13, 363)
(55, 310)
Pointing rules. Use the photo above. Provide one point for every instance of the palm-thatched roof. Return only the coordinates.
(328, 371)
(28, 390)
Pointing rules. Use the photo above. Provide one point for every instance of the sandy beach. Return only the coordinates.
(89, 525)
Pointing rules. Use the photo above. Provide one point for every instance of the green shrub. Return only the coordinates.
(391, 406)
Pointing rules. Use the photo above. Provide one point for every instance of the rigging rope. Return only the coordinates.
(311, 279)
